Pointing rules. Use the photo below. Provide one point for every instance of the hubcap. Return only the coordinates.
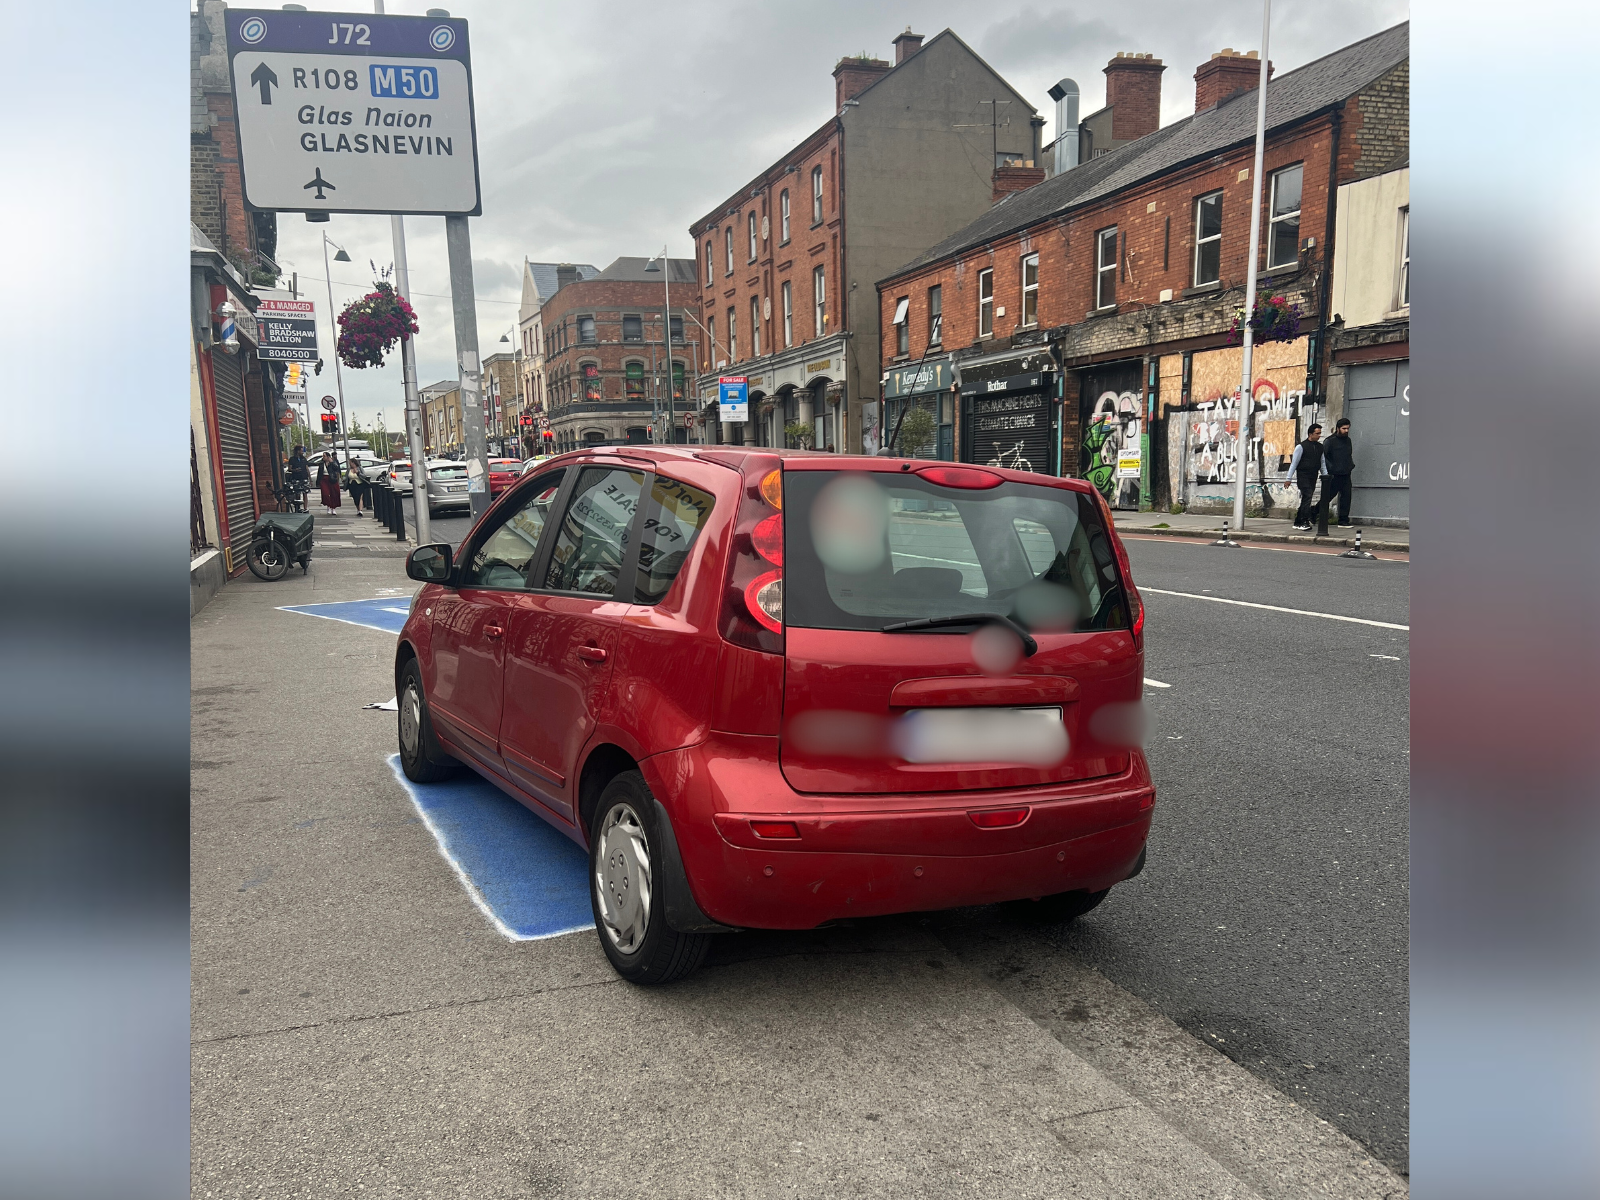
(410, 721)
(622, 878)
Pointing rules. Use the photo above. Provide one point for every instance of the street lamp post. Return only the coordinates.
(666, 336)
(338, 375)
(1247, 398)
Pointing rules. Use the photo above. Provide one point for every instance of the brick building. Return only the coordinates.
(786, 263)
(502, 402)
(540, 281)
(1086, 321)
(604, 362)
(443, 431)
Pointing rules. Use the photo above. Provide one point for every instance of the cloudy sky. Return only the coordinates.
(605, 129)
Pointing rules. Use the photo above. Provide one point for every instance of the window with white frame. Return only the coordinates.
(902, 325)
(816, 195)
(783, 212)
(1404, 290)
(1283, 234)
(752, 235)
(986, 302)
(755, 327)
(1207, 239)
(935, 315)
(788, 314)
(733, 335)
(1105, 268)
(819, 292)
(729, 239)
(1030, 289)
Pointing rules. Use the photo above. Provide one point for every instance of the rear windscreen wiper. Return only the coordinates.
(1029, 646)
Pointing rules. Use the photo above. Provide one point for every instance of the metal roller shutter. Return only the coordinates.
(1009, 429)
(234, 433)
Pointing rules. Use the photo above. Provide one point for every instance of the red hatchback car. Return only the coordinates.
(503, 473)
(771, 689)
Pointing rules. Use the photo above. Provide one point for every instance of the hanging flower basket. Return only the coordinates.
(369, 327)
(1275, 320)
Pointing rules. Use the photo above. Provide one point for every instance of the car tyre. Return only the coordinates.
(1057, 909)
(626, 881)
(421, 757)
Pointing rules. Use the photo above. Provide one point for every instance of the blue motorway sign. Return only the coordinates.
(348, 112)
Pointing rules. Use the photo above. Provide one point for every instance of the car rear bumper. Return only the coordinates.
(862, 856)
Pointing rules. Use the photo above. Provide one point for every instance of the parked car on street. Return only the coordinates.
(447, 487)
(768, 689)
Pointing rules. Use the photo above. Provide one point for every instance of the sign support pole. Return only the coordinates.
(1247, 396)
(408, 370)
(344, 424)
(459, 243)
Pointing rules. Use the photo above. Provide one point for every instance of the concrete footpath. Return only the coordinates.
(360, 1027)
(1262, 529)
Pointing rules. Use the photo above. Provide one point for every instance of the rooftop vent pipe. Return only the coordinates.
(1065, 94)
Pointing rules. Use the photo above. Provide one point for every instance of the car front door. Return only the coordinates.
(470, 623)
(563, 635)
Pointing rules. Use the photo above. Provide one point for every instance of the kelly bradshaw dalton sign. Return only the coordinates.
(352, 113)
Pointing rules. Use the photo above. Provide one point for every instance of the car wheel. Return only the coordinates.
(625, 888)
(1057, 909)
(421, 757)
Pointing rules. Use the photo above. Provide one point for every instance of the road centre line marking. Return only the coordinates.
(1148, 682)
(1299, 612)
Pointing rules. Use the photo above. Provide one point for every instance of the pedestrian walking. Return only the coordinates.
(1340, 455)
(357, 482)
(328, 483)
(1307, 466)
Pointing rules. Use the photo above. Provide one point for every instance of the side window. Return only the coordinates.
(503, 558)
(593, 536)
(676, 514)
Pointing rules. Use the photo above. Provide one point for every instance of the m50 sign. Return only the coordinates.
(354, 114)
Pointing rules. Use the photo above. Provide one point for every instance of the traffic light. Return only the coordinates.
(549, 436)
(330, 423)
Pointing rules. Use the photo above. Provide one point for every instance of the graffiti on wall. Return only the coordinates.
(1113, 425)
(1212, 430)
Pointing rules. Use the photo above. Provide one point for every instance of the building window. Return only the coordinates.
(1283, 238)
(1030, 290)
(593, 389)
(816, 195)
(1207, 239)
(935, 315)
(677, 381)
(733, 336)
(632, 328)
(986, 302)
(788, 312)
(1405, 258)
(634, 375)
(1105, 268)
(677, 329)
(755, 327)
(752, 235)
(783, 208)
(711, 336)
(709, 272)
(729, 233)
(902, 325)
(819, 291)
(586, 330)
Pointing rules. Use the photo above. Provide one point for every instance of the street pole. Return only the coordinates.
(327, 277)
(1247, 400)
(408, 371)
(666, 345)
(458, 241)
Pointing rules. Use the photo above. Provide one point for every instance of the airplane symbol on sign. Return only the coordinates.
(319, 183)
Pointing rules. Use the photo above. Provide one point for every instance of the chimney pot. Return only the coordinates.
(1225, 74)
(1133, 93)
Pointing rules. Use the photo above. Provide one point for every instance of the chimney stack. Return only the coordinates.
(906, 45)
(1014, 179)
(855, 75)
(1133, 94)
(1227, 74)
(565, 273)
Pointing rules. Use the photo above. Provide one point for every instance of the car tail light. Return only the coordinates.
(775, 829)
(999, 818)
(752, 603)
(959, 477)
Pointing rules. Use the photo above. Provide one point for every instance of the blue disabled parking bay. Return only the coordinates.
(387, 613)
(529, 880)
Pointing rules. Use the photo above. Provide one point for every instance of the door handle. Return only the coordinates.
(493, 631)
(592, 654)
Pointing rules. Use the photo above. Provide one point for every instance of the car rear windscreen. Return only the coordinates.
(447, 472)
(866, 549)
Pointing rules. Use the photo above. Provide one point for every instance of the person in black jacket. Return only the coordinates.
(1308, 464)
(1341, 458)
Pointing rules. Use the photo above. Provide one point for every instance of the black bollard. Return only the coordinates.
(1225, 540)
(1357, 551)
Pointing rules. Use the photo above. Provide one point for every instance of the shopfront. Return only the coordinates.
(1112, 442)
(1012, 422)
(919, 411)
(1377, 399)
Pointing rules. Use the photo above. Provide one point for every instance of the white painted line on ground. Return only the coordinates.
(1390, 657)
(1299, 612)
(1148, 682)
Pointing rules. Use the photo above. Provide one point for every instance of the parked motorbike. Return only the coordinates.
(278, 541)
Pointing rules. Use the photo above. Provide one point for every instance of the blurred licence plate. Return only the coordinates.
(1032, 736)
(455, 487)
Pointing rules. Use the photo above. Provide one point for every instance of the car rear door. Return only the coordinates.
(957, 708)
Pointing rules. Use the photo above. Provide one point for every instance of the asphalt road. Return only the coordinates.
(1271, 919)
